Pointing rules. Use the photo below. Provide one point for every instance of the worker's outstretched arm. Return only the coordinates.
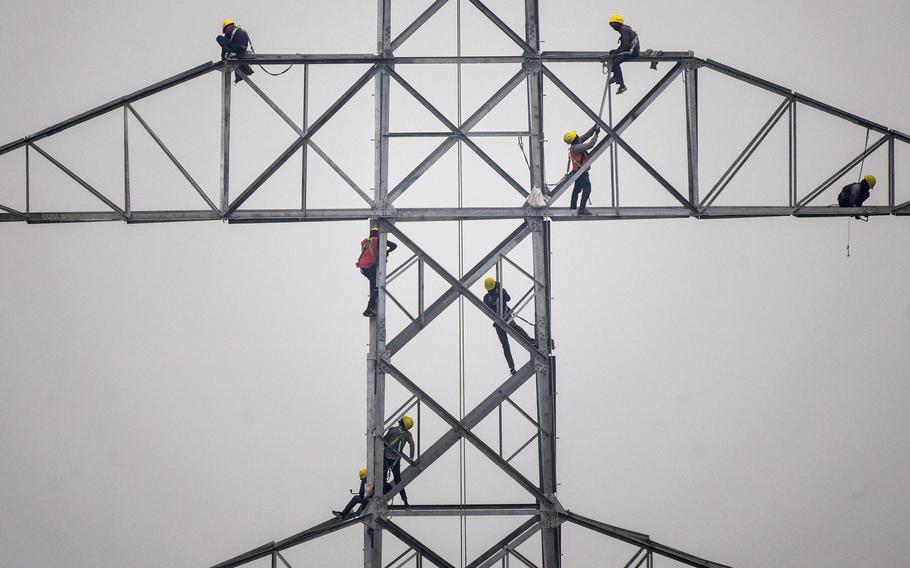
(410, 442)
(586, 145)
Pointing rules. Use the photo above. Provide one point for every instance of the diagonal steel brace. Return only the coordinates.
(465, 433)
(622, 143)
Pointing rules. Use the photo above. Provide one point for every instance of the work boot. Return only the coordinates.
(368, 313)
(583, 211)
(338, 514)
(512, 371)
(622, 89)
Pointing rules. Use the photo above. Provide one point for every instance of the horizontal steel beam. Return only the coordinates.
(368, 59)
(457, 510)
(453, 214)
(503, 134)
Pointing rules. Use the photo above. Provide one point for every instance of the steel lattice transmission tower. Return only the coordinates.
(543, 513)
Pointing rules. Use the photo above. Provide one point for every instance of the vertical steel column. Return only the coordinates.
(225, 136)
(691, 80)
(372, 536)
(535, 98)
(127, 207)
(550, 536)
(306, 124)
(28, 182)
(891, 177)
(793, 186)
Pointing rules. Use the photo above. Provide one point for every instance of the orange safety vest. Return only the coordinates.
(369, 253)
(578, 162)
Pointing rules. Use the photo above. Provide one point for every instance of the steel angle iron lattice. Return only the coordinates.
(543, 512)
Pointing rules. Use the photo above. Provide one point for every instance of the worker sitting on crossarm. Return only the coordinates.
(629, 47)
(234, 42)
(361, 498)
(395, 440)
(855, 194)
(578, 155)
(491, 299)
(367, 263)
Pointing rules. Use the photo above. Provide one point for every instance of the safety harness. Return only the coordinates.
(577, 164)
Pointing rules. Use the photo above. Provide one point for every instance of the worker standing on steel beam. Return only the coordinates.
(578, 156)
(855, 194)
(367, 262)
(395, 440)
(360, 498)
(234, 42)
(497, 299)
(629, 47)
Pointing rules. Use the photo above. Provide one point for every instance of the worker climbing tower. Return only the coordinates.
(542, 514)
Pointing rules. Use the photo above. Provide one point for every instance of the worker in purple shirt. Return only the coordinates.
(234, 42)
(629, 47)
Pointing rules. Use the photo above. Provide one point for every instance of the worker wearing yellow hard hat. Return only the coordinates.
(497, 299)
(360, 498)
(367, 263)
(395, 440)
(855, 194)
(234, 42)
(629, 47)
(579, 148)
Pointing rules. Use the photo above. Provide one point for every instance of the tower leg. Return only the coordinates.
(372, 535)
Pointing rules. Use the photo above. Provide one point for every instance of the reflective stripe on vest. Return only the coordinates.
(369, 243)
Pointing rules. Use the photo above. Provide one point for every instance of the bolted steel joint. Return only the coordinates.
(531, 65)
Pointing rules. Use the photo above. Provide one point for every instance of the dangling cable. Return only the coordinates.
(848, 236)
(267, 72)
(462, 472)
(862, 166)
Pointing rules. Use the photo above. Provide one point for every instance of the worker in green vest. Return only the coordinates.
(395, 440)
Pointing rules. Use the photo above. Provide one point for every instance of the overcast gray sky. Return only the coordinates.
(173, 395)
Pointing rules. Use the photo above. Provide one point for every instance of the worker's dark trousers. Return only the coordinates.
(395, 466)
(504, 341)
(618, 60)
(370, 274)
(582, 186)
(355, 500)
(228, 46)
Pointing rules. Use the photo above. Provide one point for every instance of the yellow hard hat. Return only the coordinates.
(570, 136)
(408, 422)
(617, 19)
(870, 179)
(363, 473)
(374, 229)
(489, 283)
(226, 23)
